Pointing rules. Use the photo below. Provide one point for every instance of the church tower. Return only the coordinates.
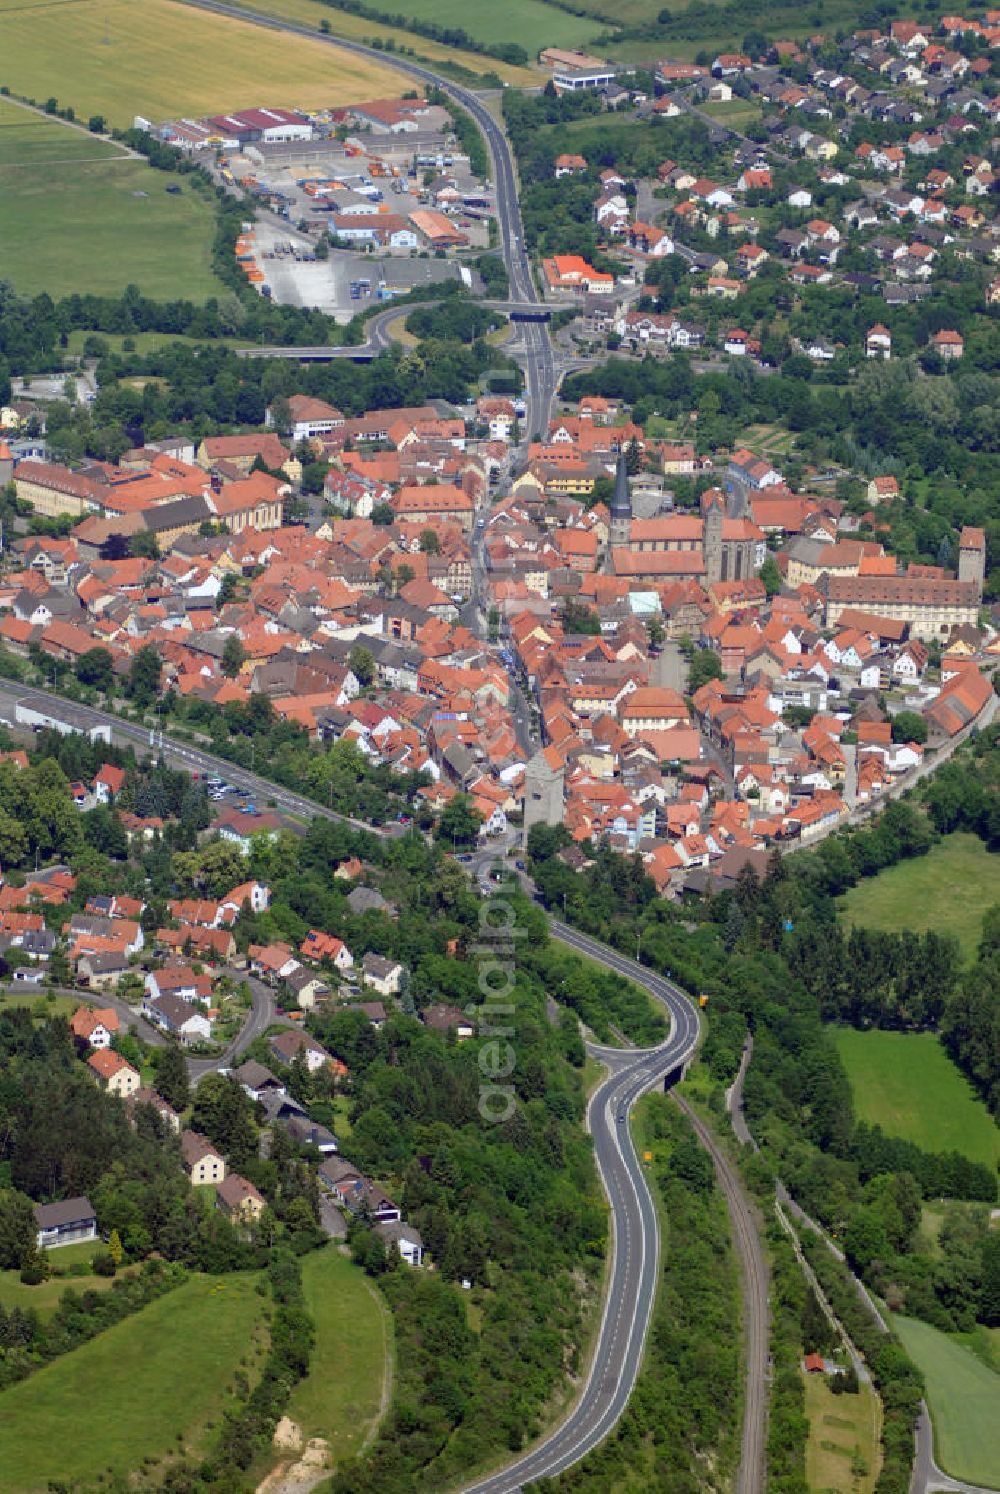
(713, 511)
(621, 506)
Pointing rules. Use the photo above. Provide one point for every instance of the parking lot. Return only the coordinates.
(299, 191)
(326, 284)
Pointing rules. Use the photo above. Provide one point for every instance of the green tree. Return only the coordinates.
(95, 668)
(172, 1081)
(233, 656)
(578, 618)
(115, 1247)
(770, 574)
(706, 665)
(145, 545)
(459, 823)
(429, 542)
(909, 726)
(280, 415)
(17, 1228)
(144, 677)
(361, 663)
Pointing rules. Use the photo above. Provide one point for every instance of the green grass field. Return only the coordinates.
(963, 1396)
(39, 1005)
(341, 1397)
(357, 28)
(29, 139)
(44, 1298)
(141, 342)
(843, 1438)
(948, 890)
(127, 1393)
(97, 227)
(907, 1084)
(532, 23)
(163, 59)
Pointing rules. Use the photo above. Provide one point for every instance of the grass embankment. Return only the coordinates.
(147, 1387)
(843, 1439)
(342, 1397)
(906, 1083)
(946, 891)
(163, 60)
(963, 1395)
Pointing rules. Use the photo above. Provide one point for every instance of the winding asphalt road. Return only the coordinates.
(631, 1289)
(540, 374)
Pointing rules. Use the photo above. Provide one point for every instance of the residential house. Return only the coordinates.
(114, 1075)
(70, 1222)
(203, 1160)
(286, 1047)
(238, 1199)
(95, 1025)
(383, 975)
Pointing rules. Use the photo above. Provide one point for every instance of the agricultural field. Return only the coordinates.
(843, 1439)
(163, 59)
(346, 1390)
(126, 229)
(906, 1083)
(963, 1395)
(356, 28)
(130, 1391)
(948, 890)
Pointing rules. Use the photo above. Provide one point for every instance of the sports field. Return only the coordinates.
(128, 1393)
(100, 226)
(906, 1083)
(162, 59)
(948, 890)
(963, 1396)
(341, 1398)
(842, 1455)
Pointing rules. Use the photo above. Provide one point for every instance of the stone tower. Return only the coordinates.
(543, 790)
(972, 557)
(713, 511)
(621, 506)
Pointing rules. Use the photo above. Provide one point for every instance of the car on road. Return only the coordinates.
(622, 1117)
(519, 865)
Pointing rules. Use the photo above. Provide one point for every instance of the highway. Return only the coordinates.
(539, 368)
(635, 1257)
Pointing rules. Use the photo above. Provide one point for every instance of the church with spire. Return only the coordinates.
(620, 530)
